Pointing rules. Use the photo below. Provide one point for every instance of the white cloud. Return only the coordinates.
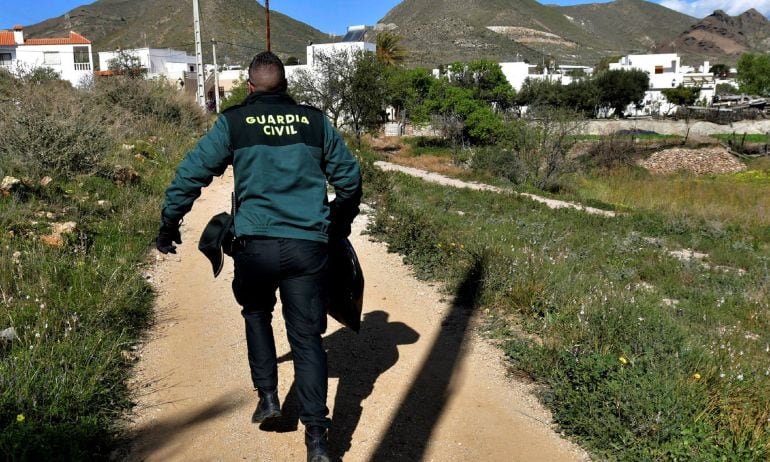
(703, 8)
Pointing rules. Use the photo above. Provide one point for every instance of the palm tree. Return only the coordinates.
(389, 49)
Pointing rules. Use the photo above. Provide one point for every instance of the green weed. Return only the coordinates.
(645, 356)
(77, 304)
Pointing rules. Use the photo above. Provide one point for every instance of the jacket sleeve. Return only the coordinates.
(209, 158)
(344, 174)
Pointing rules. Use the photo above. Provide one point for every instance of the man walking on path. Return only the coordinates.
(282, 154)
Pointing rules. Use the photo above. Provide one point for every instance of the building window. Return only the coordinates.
(658, 69)
(5, 59)
(82, 58)
(81, 55)
(51, 58)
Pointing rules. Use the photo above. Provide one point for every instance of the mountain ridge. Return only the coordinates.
(435, 32)
(445, 30)
(724, 36)
(237, 25)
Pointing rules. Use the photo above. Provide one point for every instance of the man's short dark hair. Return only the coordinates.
(266, 72)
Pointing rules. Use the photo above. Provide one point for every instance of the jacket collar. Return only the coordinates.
(266, 97)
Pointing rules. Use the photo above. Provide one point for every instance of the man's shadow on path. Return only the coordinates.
(357, 360)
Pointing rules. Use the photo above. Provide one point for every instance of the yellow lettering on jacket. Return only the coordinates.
(279, 130)
(278, 125)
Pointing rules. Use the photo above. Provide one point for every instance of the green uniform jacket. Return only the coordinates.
(282, 154)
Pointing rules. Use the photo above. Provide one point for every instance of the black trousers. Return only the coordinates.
(296, 268)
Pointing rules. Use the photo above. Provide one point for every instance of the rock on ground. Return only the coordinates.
(712, 160)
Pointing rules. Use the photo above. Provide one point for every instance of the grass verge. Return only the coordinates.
(644, 356)
(73, 303)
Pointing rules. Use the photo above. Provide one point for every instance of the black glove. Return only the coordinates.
(341, 216)
(339, 230)
(167, 235)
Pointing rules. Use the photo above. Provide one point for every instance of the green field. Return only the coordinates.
(644, 356)
(742, 137)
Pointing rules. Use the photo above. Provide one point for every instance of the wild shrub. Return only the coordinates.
(612, 151)
(533, 150)
(500, 162)
(155, 100)
(77, 304)
(48, 132)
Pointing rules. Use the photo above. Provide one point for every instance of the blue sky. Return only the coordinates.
(333, 16)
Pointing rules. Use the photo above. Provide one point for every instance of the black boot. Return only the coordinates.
(316, 442)
(268, 407)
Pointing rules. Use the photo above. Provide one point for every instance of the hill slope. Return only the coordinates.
(720, 37)
(111, 24)
(630, 26)
(441, 31)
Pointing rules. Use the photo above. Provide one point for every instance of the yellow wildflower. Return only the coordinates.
(623, 360)
(20, 418)
(696, 376)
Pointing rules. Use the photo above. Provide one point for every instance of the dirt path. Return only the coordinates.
(455, 183)
(418, 383)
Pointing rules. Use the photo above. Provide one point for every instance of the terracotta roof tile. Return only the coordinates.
(6, 37)
(74, 39)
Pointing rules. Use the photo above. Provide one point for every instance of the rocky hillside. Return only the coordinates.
(111, 24)
(720, 37)
(440, 31)
(630, 26)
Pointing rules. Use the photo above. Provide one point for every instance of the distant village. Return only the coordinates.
(72, 58)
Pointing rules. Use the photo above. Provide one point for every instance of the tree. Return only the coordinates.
(754, 73)
(681, 95)
(238, 94)
(389, 49)
(350, 87)
(581, 96)
(604, 63)
(538, 92)
(619, 88)
(449, 102)
(365, 94)
(541, 143)
(720, 70)
(725, 89)
(325, 85)
(486, 80)
(125, 63)
(407, 91)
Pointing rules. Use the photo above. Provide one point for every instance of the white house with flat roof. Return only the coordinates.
(166, 62)
(518, 72)
(70, 57)
(666, 71)
(351, 43)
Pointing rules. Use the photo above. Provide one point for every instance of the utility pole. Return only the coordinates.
(267, 20)
(216, 74)
(199, 55)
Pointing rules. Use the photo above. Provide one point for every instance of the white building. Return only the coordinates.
(157, 62)
(351, 43)
(666, 71)
(70, 57)
(518, 72)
